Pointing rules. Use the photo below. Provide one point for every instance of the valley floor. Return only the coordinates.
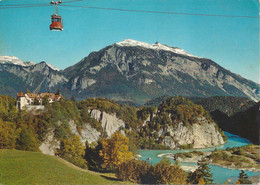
(244, 158)
(22, 167)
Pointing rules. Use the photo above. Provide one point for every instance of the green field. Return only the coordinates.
(22, 167)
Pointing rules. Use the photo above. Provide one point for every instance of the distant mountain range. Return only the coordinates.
(130, 71)
(16, 75)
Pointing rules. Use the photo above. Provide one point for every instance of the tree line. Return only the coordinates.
(25, 131)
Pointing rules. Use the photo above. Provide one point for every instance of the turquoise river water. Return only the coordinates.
(219, 174)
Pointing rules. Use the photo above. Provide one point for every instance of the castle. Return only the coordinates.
(34, 100)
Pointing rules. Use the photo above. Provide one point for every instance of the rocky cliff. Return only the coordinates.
(109, 122)
(201, 135)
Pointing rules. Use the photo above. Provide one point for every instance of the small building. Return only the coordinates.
(34, 100)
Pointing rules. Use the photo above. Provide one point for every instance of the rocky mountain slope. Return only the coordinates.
(129, 71)
(16, 75)
(136, 71)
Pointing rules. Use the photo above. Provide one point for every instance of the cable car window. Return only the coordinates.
(56, 20)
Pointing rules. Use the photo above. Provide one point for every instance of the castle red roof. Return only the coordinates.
(20, 94)
(32, 95)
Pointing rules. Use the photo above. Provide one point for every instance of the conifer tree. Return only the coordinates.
(27, 140)
(203, 172)
(8, 134)
(243, 178)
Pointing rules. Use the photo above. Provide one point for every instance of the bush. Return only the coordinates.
(186, 146)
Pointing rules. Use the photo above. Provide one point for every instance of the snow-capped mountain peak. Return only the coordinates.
(50, 65)
(156, 46)
(14, 60)
(53, 67)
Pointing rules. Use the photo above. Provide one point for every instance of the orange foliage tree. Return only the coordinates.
(115, 150)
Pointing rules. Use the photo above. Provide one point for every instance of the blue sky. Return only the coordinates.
(231, 42)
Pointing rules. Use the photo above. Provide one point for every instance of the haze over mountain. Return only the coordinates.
(136, 71)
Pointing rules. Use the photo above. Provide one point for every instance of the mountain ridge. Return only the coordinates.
(136, 71)
(16, 61)
(139, 65)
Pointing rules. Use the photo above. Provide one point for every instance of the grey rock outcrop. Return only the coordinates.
(87, 133)
(198, 135)
(50, 144)
(109, 122)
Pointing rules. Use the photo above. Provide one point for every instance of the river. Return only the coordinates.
(219, 174)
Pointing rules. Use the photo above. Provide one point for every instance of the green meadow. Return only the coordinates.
(22, 167)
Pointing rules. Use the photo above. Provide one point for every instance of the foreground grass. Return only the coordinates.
(22, 167)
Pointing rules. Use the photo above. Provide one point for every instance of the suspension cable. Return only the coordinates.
(27, 6)
(161, 12)
(123, 10)
(39, 4)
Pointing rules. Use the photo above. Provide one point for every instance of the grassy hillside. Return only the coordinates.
(22, 167)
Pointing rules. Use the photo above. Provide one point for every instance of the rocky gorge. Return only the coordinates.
(203, 134)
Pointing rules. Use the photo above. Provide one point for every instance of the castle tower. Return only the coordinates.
(21, 100)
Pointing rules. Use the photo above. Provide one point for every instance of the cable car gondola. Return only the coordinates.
(56, 23)
(56, 20)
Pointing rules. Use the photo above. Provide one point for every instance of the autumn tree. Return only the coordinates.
(201, 180)
(142, 172)
(115, 150)
(165, 173)
(72, 150)
(136, 171)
